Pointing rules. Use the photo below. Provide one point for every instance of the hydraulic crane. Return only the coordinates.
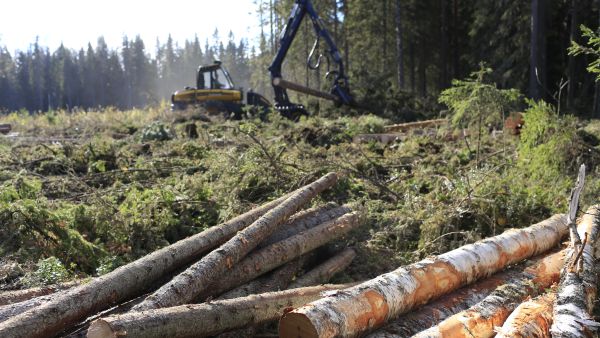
(339, 92)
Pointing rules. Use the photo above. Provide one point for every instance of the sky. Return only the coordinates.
(77, 22)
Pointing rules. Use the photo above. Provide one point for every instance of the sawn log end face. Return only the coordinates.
(297, 325)
(101, 329)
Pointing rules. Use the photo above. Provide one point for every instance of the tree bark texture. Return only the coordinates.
(433, 313)
(531, 319)
(578, 284)
(482, 319)
(274, 281)
(17, 296)
(412, 125)
(277, 254)
(305, 220)
(198, 277)
(324, 271)
(371, 304)
(11, 310)
(201, 320)
(124, 283)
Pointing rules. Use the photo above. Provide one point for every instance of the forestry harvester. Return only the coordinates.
(215, 91)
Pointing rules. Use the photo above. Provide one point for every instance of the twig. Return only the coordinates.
(573, 205)
(574, 266)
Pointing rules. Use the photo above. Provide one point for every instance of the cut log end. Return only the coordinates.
(101, 329)
(294, 325)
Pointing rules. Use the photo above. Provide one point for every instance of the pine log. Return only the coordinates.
(305, 220)
(324, 271)
(126, 282)
(274, 281)
(578, 284)
(482, 319)
(447, 305)
(17, 296)
(275, 255)
(369, 305)
(413, 125)
(201, 320)
(531, 319)
(198, 277)
(11, 310)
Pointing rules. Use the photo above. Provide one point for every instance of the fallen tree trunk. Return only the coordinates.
(481, 320)
(277, 254)
(531, 319)
(369, 305)
(323, 272)
(17, 296)
(305, 220)
(198, 277)
(11, 310)
(275, 281)
(578, 284)
(126, 282)
(413, 125)
(460, 300)
(201, 320)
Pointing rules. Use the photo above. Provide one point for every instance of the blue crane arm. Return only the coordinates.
(300, 10)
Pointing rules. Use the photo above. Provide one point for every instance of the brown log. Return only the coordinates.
(324, 271)
(369, 305)
(482, 319)
(412, 125)
(17, 296)
(201, 320)
(198, 277)
(531, 319)
(578, 283)
(305, 220)
(277, 254)
(274, 281)
(126, 282)
(433, 313)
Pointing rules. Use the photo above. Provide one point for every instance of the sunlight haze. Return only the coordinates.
(75, 23)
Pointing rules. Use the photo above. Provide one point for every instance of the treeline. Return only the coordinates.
(393, 49)
(127, 77)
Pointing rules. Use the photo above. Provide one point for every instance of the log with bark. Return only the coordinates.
(198, 277)
(578, 284)
(531, 319)
(126, 282)
(369, 305)
(277, 280)
(17, 296)
(460, 300)
(413, 125)
(482, 319)
(269, 258)
(305, 220)
(201, 320)
(324, 271)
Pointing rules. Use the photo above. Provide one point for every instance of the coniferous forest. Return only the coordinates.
(390, 47)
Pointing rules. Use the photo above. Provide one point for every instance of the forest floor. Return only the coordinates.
(83, 193)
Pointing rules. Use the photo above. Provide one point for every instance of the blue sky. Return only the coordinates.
(75, 23)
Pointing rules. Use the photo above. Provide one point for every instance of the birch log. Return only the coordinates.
(275, 255)
(124, 283)
(531, 319)
(369, 305)
(481, 320)
(324, 271)
(455, 302)
(198, 277)
(201, 320)
(578, 285)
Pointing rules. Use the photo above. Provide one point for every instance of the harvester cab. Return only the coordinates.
(216, 92)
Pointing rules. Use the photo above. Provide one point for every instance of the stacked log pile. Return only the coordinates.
(230, 279)
(222, 268)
